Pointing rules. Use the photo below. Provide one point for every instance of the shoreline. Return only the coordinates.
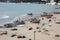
(24, 15)
(45, 32)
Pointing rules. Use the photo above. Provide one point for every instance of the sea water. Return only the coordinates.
(8, 11)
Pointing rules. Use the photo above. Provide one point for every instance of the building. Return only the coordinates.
(17, 1)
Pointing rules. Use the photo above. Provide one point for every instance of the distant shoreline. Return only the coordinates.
(53, 3)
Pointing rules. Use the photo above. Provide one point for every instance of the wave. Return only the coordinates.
(4, 17)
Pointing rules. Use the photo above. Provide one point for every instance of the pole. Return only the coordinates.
(34, 34)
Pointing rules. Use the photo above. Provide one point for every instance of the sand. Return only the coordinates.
(43, 35)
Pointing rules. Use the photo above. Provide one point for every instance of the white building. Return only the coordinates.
(51, 2)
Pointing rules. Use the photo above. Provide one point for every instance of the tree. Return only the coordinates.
(56, 1)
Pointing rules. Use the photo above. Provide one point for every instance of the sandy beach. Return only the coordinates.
(40, 34)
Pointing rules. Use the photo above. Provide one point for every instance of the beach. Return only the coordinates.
(32, 21)
(8, 11)
(43, 32)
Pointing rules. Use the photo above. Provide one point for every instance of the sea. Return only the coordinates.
(8, 11)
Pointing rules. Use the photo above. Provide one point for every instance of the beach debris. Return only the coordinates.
(13, 35)
(56, 12)
(54, 20)
(22, 22)
(14, 29)
(35, 20)
(9, 25)
(39, 31)
(49, 25)
(46, 15)
(57, 22)
(20, 25)
(57, 35)
(47, 33)
(19, 22)
(30, 28)
(50, 20)
(46, 24)
(43, 24)
(3, 32)
(21, 36)
(42, 18)
(1, 26)
(30, 14)
(53, 17)
(45, 30)
(37, 27)
(49, 17)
